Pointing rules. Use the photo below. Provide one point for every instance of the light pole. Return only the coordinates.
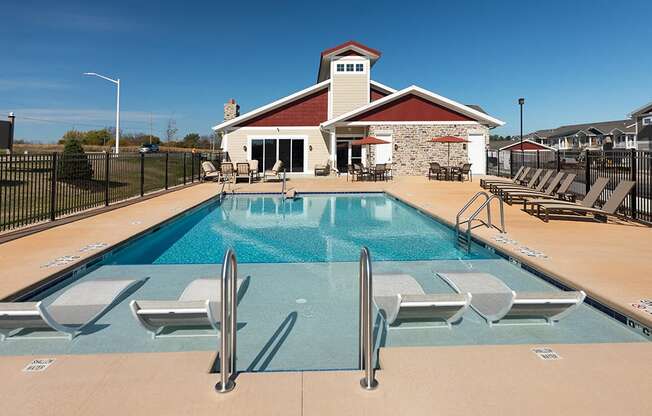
(521, 102)
(117, 109)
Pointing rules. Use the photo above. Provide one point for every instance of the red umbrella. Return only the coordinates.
(369, 140)
(449, 140)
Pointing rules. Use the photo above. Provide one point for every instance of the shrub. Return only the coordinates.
(74, 163)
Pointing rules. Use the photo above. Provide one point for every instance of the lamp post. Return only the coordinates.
(521, 102)
(117, 110)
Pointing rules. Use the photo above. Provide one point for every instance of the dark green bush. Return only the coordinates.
(74, 163)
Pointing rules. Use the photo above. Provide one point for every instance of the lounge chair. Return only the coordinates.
(323, 170)
(520, 174)
(75, 309)
(436, 171)
(588, 201)
(401, 298)
(529, 185)
(609, 209)
(198, 305)
(536, 182)
(226, 171)
(275, 172)
(557, 194)
(243, 171)
(509, 195)
(210, 172)
(494, 300)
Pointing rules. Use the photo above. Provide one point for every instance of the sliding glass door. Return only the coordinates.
(268, 151)
(348, 154)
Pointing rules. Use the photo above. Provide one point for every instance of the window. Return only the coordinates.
(288, 150)
(359, 67)
(647, 121)
(350, 67)
(340, 68)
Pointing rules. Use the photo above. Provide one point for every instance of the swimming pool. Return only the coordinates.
(299, 309)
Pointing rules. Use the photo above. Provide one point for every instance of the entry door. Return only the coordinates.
(384, 151)
(477, 156)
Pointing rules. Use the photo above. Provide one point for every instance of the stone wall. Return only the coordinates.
(413, 151)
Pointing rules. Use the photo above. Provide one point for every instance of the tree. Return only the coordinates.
(191, 140)
(171, 131)
(74, 163)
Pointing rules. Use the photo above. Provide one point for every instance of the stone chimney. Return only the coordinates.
(231, 110)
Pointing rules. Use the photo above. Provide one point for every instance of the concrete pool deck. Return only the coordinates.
(610, 261)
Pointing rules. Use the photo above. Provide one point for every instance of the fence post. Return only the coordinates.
(167, 159)
(537, 158)
(142, 174)
(587, 172)
(53, 188)
(106, 180)
(558, 161)
(184, 168)
(498, 161)
(634, 193)
(192, 168)
(511, 163)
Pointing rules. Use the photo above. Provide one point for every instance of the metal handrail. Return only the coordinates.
(368, 382)
(486, 204)
(222, 193)
(283, 189)
(468, 204)
(228, 322)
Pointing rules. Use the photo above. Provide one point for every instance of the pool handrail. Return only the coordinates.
(228, 322)
(367, 348)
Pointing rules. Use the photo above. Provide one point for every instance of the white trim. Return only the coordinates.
(413, 89)
(638, 110)
(346, 62)
(279, 129)
(357, 49)
(382, 86)
(396, 123)
(518, 142)
(225, 142)
(273, 105)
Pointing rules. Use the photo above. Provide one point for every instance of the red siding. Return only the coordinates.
(376, 94)
(411, 108)
(307, 111)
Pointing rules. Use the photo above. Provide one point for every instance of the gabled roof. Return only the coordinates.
(601, 127)
(351, 46)
(382, 87)
(506, 144)
(644, 109)
(273, 105)
(425, 94)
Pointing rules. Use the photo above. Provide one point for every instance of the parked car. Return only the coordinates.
(149, 148)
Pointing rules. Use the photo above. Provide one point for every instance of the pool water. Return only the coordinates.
(299, 310)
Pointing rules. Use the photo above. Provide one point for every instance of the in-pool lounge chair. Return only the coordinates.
(494, 300)
(520, 173)
(588, 201)
(494, 187)
(210, 172)
(608, 210)
(402, 298)
(510, 196)
(75, 309)
(198, 305)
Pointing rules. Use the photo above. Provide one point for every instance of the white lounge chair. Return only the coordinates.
(494, 301)
(275, 172)
(198, 305)
(402, 298)
(70, 313)
(210, 172)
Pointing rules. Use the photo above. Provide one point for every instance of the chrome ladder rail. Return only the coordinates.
(228, 322)
(464, 240)
(283, 188)
(367, 348)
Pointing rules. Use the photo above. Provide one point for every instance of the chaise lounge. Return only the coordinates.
(520, 174)
(75, 309)
(401, 298)
(510, 196)
(588, 201)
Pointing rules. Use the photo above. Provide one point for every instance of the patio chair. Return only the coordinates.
(323, 170)
(361, 171)
(520, 174)
(379, 171)
(531, 183)
(210, 172)
(275, 172)
(401, 298)
(464, 170)
(253, 168)
(608, 210)
(75, 309)
(435, 170)
(388, 171)
(588, 201)
(557, 194)
(198, 306)
(494, 300)
(226, 171)
(243, 172)
(510, 196)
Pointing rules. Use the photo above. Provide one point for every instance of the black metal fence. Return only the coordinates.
(617, 165)
(42, 187)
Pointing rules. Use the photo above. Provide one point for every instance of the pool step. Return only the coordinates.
(463, 241)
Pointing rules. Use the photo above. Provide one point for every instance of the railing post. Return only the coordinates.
(106, 180)
(558, 161)
(184, 168)
(142, 174)
(192, 168)
(537, 158)
(511, 163)
(587, 172)
(368, 382)
(167, 160)
(53, 188)
(634, 193)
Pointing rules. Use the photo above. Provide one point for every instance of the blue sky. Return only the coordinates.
(573, 61)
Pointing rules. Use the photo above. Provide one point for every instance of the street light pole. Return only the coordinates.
(117, 107)
(521, 101)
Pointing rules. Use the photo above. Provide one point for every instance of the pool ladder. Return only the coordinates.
(463, 238)
(367, 345)
(228, 322)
